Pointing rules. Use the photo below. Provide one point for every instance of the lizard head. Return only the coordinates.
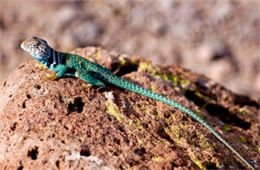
(38, 48)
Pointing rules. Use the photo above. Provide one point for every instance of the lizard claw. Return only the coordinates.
(91, 86)
(41, 66)
(100, 88)
(51, 76)
(87, 85)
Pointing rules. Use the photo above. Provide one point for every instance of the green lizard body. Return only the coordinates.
(93, 73)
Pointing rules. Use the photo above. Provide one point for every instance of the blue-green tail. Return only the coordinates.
(140, 90)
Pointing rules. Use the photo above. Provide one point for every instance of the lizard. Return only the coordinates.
(67, 64)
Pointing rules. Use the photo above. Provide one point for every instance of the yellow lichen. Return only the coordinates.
(198, 113)
(226, 128)
(147, 66)
(98, 55)
(113, 109)
(158, 114)
(122, 61)
(175, 79)
(242, 111)
(153, 87)
(243, 139)
(157, 159)
(195, 160)
(257, 149)
(174, 135)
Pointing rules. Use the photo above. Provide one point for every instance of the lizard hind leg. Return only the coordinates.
(90, 79)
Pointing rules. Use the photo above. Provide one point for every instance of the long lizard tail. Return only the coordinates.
(140, 90)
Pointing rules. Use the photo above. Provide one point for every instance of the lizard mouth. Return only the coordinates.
(23, 46)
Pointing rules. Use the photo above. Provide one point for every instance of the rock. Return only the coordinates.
(67, 124)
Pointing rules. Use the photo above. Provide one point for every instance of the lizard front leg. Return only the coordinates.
(60, 69)
(47, 76)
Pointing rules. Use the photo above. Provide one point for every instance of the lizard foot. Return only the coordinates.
(51, 76)
(91, 86)
(40, 66)
(100, 88)
(87, 86)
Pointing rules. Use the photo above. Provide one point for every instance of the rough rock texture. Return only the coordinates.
(219, 38)
(67, 124)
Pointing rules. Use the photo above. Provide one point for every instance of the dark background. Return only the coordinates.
(217, 38)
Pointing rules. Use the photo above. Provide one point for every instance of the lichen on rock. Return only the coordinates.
(66, 124)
